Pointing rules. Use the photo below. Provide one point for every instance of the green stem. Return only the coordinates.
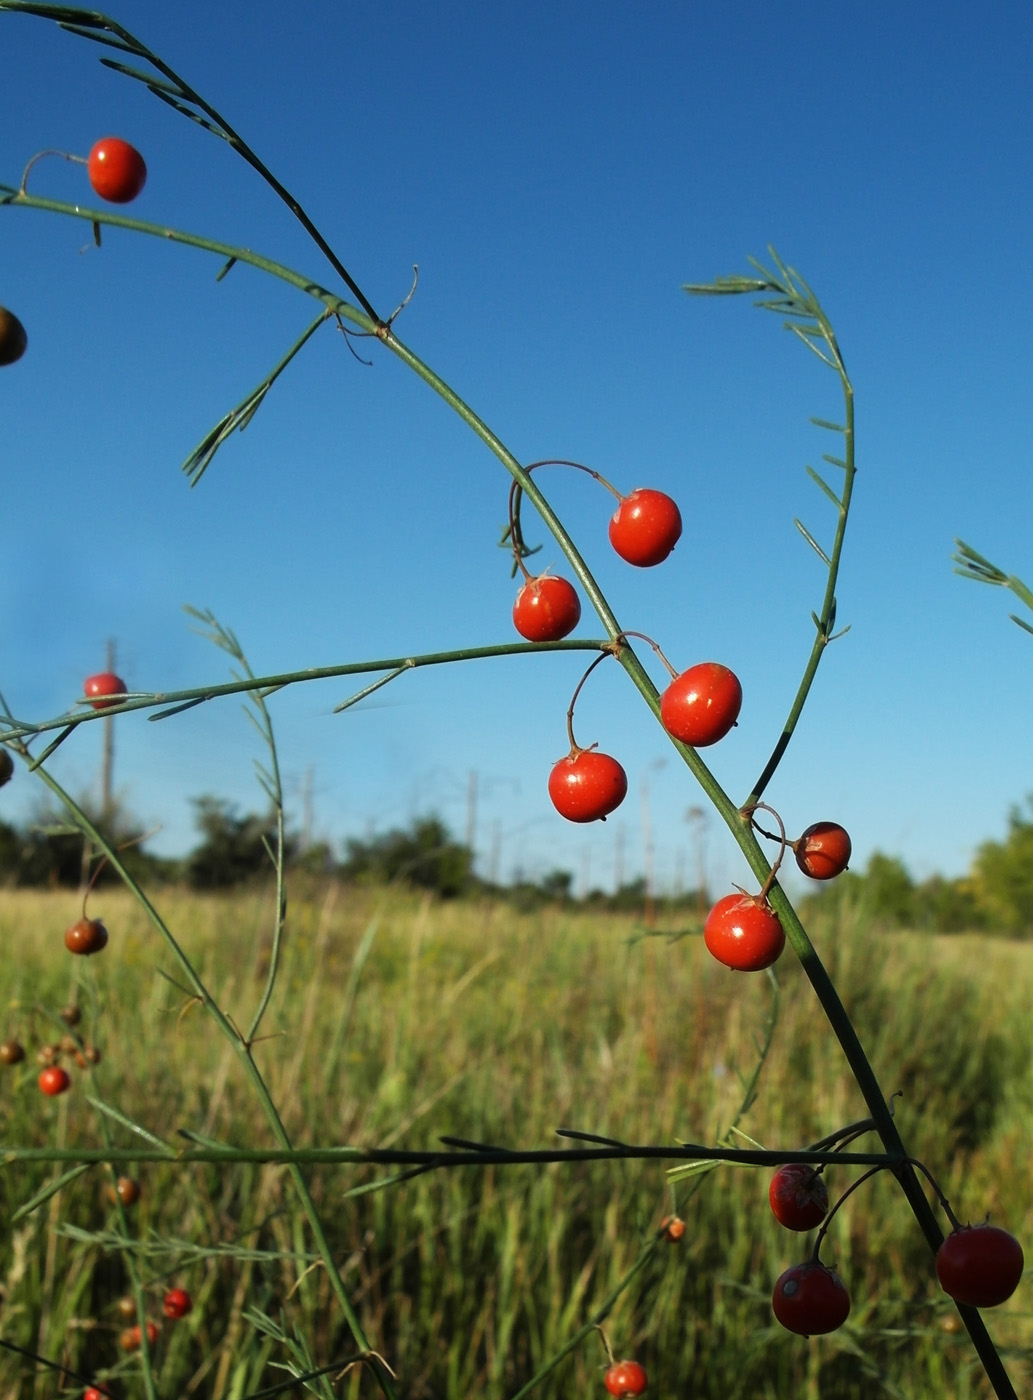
(826, 618)
(594, 1322)
(11, 728)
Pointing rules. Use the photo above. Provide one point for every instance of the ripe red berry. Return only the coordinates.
(743, 933)
(823, 851)
(92, 1393)
(86, 936)
(12, 1052)
(810, 1299)
(105, 683)
(117, 171)
(546, 609)
(587, 785)
(979, 1265)
(798, 1196)
(626, 1378)
(645, 527)
(53, 1080)
(177, 1303)
(701, 705)
(13, 340)
(132, 1337)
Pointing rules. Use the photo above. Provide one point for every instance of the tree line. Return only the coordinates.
(233, 848)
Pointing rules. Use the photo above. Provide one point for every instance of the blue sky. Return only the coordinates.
(557, 171)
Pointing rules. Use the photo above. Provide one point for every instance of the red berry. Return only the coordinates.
(673, 1227)
(587, 785)
(823, 851)
(546, 609)
(810, 1299)
(701, 705)
(53, 1080)
(979, 1265)
(92, 1393)
(645, 527)
(117, 171)
(626, 1378)
(132, 1337)
(798, 1196)
(86, 937)
(104, 684)
(13, 340)
(743, 933)
(177, 1303)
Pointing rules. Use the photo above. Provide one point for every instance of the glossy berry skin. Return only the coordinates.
(701, 705)
(979, 1265)
(13, 340)
(625, 1378)
(798, 1196)
(53, 1080)
(12, 1052)
(177, 1303)
(823, 851)
(810, 1299)
(743, 934)
(546, 609)
(645, 527)
(586, 786)
(117, 171)
(86, 936)
(103, 684)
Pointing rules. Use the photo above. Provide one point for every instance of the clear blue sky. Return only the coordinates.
(557, 171)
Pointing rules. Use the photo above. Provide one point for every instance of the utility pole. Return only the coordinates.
(107, 762)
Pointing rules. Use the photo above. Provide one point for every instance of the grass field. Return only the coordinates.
(395, 1020)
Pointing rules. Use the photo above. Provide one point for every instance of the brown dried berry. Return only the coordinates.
(48, 1054)
(89, 1055)
(126, 1307)
(13, 340)
(126, 1190)
(71, 1015)
(86, 937)
(6, 767)
(12, 1052)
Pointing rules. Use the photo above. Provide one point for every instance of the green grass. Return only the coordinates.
(482, 1022)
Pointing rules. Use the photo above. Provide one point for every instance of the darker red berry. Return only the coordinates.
(823, 851)
(104, 684)
(86, 936)
(979, 1265)
(810, 1299)
(798, 1196)
(13, 340)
